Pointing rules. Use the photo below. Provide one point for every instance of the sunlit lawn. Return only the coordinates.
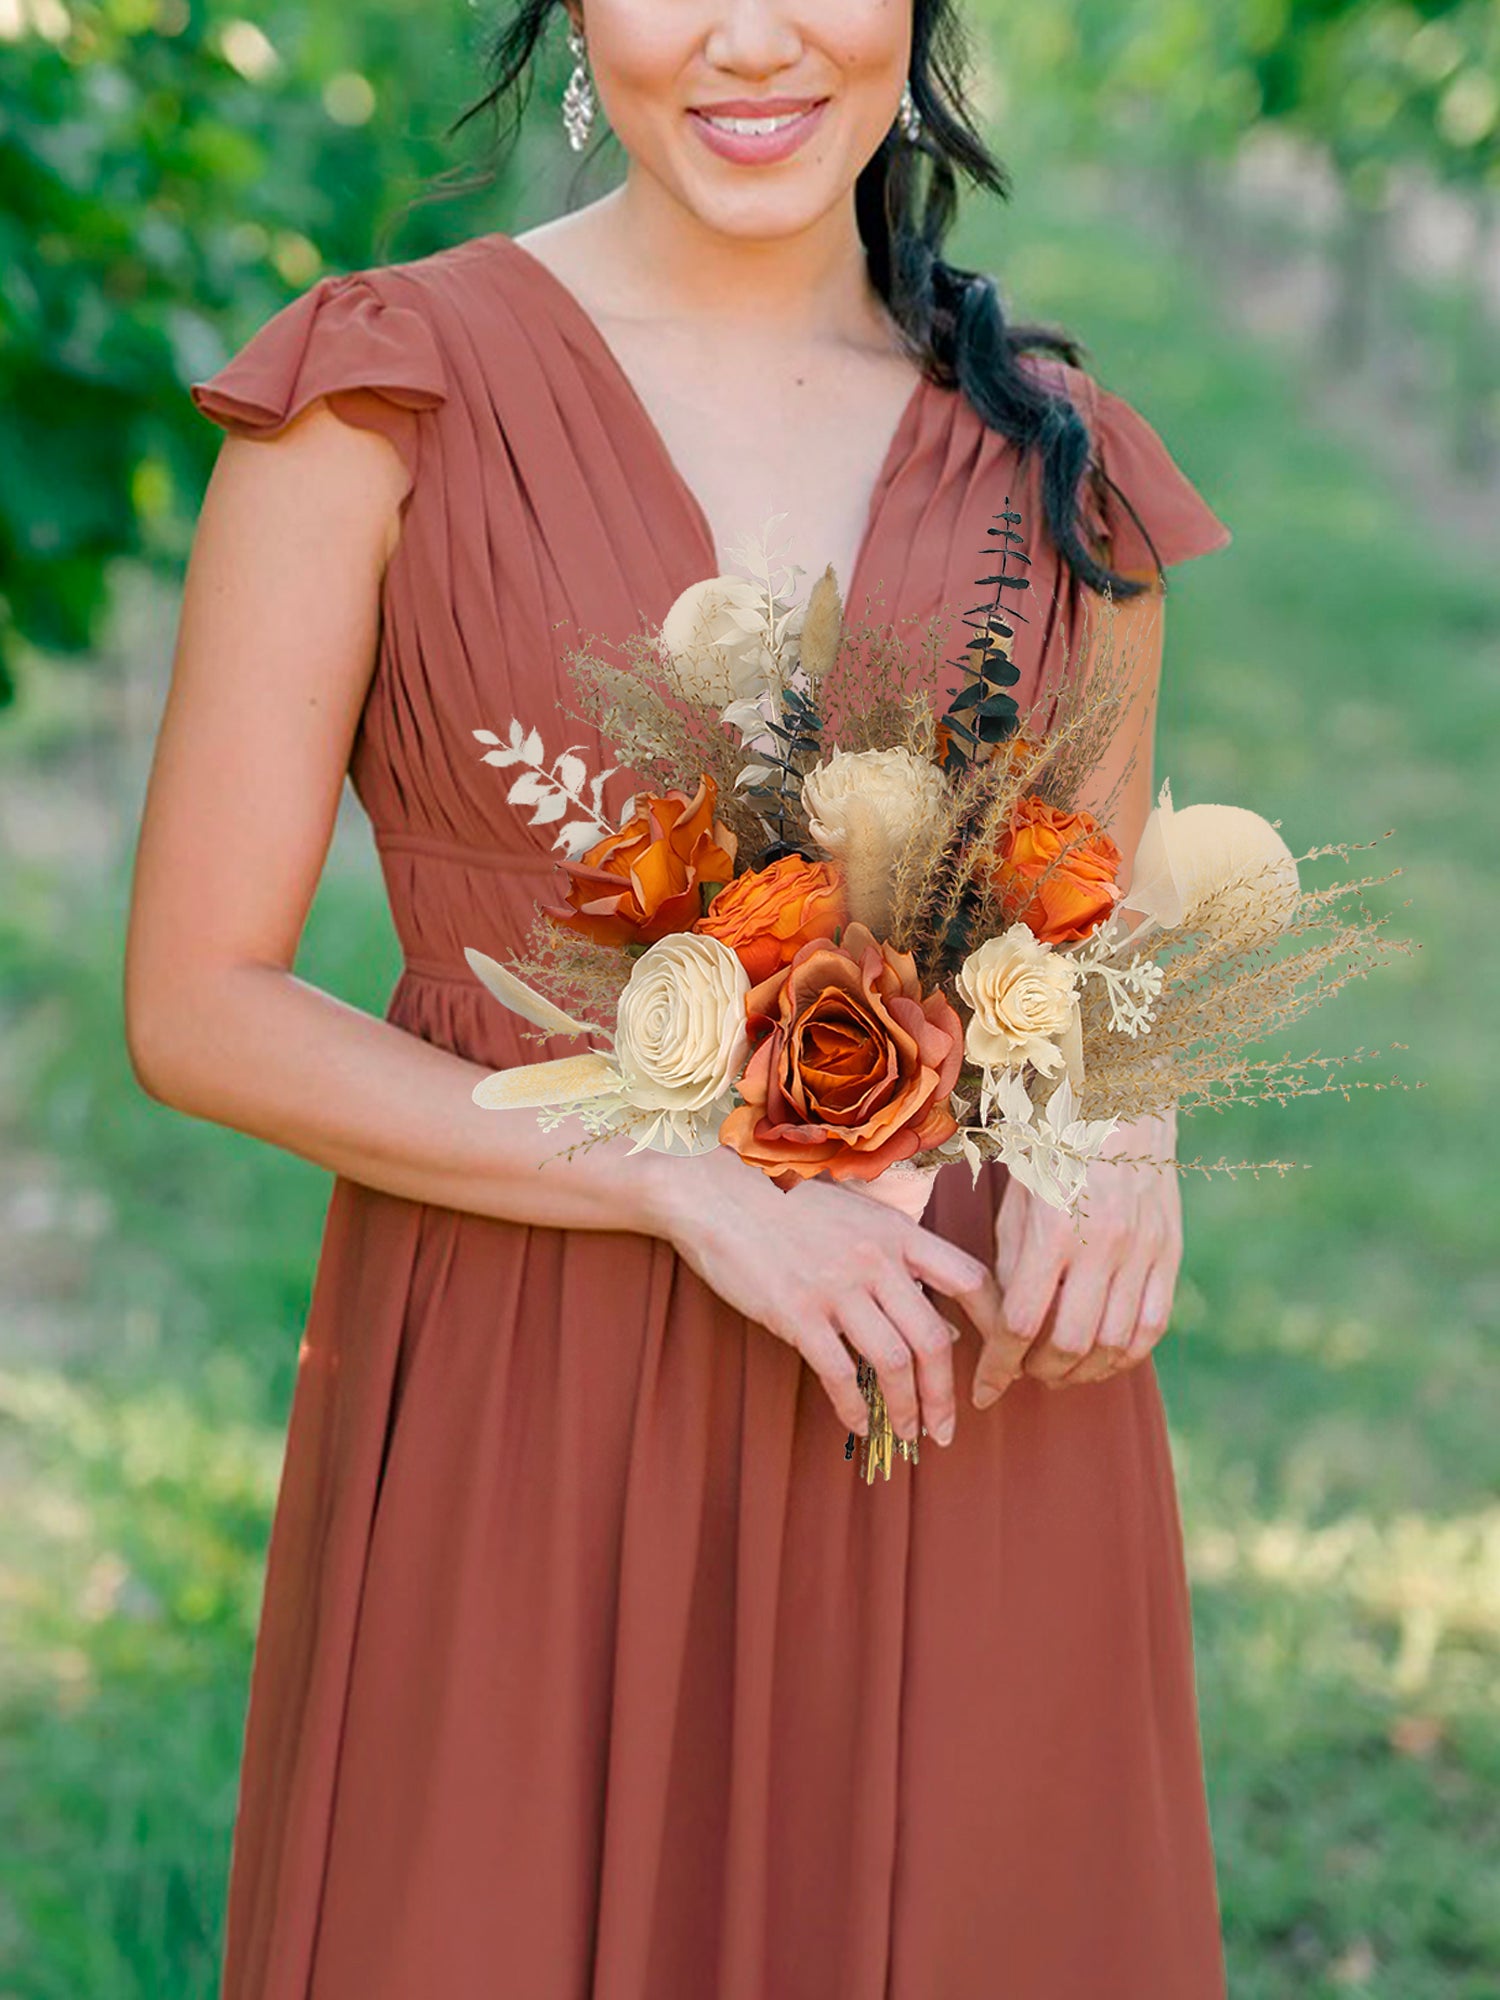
(1330, 1382)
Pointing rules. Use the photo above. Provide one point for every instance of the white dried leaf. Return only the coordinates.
(529, 789)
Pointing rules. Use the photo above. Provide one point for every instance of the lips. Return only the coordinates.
(746, 107)
(749, 149)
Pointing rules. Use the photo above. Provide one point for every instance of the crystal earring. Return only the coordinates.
(909, 117)
(578, 98)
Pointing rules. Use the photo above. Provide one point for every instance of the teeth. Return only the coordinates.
(752, 125)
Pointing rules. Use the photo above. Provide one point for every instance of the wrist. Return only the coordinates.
(681, 1197)
(668, 1189)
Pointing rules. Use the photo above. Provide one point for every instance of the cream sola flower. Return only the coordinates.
(680, 1044)
(1024, 997)
(864, 809)
(1221, 867)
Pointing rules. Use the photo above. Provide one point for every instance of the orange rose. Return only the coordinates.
(854, 1068)
(1081, 890)
(643, 883)
(765, 919)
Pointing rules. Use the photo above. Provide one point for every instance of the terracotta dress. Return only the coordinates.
(587, 1664)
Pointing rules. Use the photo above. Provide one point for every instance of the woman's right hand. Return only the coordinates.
(820, 1262)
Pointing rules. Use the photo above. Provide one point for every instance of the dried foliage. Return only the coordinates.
(941, 897)
(584, 979)
(1220, 999)
(1094, 707)
(882, 690)
(659, 733)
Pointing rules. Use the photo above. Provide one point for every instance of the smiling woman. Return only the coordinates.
(585, 1667)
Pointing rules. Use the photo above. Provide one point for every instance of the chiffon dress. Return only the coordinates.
(587, 1664)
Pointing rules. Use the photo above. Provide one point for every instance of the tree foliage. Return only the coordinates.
(170, 173)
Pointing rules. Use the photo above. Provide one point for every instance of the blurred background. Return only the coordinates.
(1276, 225)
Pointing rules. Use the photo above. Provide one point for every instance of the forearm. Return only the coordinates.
(268, 1054)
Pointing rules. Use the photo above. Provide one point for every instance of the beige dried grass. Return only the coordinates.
(1220, 1001)
(584, 978)
(880, 689)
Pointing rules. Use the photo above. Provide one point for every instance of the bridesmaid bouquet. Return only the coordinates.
(848, 928)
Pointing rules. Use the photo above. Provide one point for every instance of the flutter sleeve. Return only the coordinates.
(377, 363)
(1135, 489)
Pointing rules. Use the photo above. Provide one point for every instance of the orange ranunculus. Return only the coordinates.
(1016, 751)
(1080, 891)
(1013, 750)
(643, 883)
(855, 1067)
(765, 919)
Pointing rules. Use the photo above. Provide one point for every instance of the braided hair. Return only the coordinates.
(952, 320)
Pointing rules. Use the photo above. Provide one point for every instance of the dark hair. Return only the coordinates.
(953, 319)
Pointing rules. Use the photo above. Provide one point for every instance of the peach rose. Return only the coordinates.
(1081, 890)
(854, 1066)
(645, 881)
(766, 918)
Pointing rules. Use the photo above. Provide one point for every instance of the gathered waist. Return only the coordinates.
(414, 966)
(508, 860)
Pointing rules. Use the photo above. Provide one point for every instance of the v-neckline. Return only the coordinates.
(569, 300)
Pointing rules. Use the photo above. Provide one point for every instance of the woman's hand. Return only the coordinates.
(1112, 1266)
(821, 1262)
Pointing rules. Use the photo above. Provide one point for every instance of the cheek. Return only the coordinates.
(641, 56)
(860, 35)
(867, 47)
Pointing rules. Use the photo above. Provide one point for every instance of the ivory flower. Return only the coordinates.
(902, 792)
(681, 1039)
(716, 638)
(1213, 864)
(681, 1032)
(1025, 1001)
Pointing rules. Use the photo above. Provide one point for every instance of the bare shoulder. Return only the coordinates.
(323, 471)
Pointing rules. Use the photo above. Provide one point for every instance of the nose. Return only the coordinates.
(753, 38)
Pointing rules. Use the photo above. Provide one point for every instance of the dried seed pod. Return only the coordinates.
(822, 627)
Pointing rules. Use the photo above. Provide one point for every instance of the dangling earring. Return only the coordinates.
(578, 98)
(909, 117)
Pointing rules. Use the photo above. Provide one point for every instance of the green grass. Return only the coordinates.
(1334, 1416)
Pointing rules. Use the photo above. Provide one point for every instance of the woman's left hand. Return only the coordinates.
(1113, 1291)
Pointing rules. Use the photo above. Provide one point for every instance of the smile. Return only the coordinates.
(753, 124)
(756, 141)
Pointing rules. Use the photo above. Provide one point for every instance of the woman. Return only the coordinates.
(587, 1666)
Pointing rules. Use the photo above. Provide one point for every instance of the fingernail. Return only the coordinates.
(984, 1395)
(944, 1432)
